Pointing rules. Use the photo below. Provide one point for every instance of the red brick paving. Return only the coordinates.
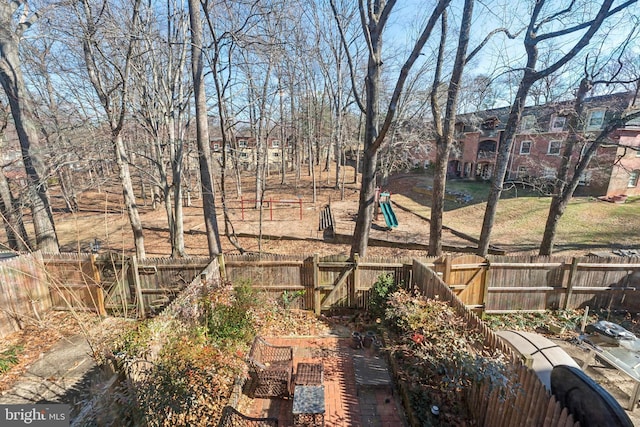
(343, 405)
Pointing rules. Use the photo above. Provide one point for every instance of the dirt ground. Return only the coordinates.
(288, 226)
(284, 217)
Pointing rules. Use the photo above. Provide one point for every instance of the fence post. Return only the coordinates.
(446, 274)
(317, 307)
(223, 271)
(135, 276)
(486, 278)
(99, 292)
(355, 282)
(300, 203)
(572, 273)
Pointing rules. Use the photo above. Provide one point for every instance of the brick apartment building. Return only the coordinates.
(537, 148)
(245, 151)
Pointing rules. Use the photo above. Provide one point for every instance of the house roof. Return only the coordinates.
(542, 114)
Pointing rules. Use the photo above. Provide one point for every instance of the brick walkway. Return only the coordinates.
(345, 404)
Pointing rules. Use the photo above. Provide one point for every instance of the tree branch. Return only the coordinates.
(437, 73)
(555, 15)
(585, 24)
(365, 27)
(404, 72)
(352, 71)
(603, 13)
(477, 49)
(386, 11)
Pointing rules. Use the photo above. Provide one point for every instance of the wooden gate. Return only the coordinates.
(335, 280)
(466, 275)
(341, 283)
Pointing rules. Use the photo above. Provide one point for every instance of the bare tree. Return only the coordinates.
(162, 102)
(226, 27)
(444, 127)
(477, 94)
(374, 17)
(15, 19)
(542, 14)
(333, 63)
(10, 208)
(570, 172)
(202, 130)
(109, 61)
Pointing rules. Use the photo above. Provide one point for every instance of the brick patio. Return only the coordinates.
(346, 404)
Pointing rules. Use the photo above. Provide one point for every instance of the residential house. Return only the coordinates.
(538, 146)
(244, 150)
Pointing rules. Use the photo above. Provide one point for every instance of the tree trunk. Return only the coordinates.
(17, 237)
(370, 158)
(283, 158)
(437, 197)
(128, 194)
(445, 139)
(563, 190)
(177, 242)
(365, 204)
(13, 84)
(502, 162)
(202, 131)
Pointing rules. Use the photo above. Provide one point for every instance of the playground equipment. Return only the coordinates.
(270, 203)
(384, 201)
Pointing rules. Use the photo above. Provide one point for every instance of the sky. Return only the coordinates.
(502, 54)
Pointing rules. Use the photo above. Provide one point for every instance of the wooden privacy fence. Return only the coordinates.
(494, 285)
(324, 283)
(145, 286)
(549, 283)
(116, 283)
(24, 292)
(74, 282)
(33, 284)
(523, 401)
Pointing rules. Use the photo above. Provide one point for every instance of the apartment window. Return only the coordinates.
(242, 143)
(525, 147)
(216, 146)
(557, 123)
(490, 123)
(633, 122)
(596, 119)
(633, 178)
(522, 172)
(275, 143)
(243, 155)
(549, 173)
(276, 154)
(554, 148)
(527, 123)
(585, 177)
